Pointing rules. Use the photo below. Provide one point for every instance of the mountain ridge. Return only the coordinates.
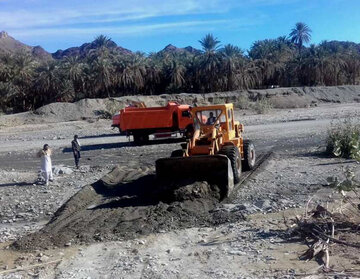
(10, 45)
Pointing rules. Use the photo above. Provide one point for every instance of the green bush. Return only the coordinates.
(348, 184)
(112, 106)
(344, 140)
(263, 106)
(243, 102)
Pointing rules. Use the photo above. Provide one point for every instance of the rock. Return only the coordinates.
(44, 258)
(61, 170)
(263, 204)
(237, 252)
(84, 169)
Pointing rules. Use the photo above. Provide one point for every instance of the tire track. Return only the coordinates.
(245, 176)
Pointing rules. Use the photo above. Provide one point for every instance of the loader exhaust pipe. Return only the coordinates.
(215, 169)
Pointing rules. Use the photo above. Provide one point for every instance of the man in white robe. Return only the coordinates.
(46, 165)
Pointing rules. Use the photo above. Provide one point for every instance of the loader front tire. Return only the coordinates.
(232, 152)
(249, 155)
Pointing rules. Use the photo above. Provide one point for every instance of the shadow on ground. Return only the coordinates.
(92, 147)
(17, 184)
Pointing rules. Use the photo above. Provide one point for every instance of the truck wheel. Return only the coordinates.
(249, 155)
(177, 153)
(141, 138)
(232, 152)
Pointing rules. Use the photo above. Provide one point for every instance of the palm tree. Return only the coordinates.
(209, 43)
(230, 50)
(176, 73)
(231, 61)
(152, 77)
(130, 73)
(22, 67)
(101, 44)
(48, 81)
(300, 34)
(8, 95)
(101, 76)
(208, 64)
(101, 41)
(6, 69)
(75, 72)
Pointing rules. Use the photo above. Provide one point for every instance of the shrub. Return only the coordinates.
(243, 102)
(112, 106)
(263, 106)
(344, 140)
(350, 183)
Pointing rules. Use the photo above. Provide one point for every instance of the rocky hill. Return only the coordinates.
(10, 45)
(174, 49)
(85, 48)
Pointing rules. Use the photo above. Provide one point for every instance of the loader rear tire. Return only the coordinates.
(249, 155)
(177, 153)
(232, 152)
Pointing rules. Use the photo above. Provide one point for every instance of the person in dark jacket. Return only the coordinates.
(76, 147)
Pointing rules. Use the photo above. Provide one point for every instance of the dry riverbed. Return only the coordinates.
(241, 237)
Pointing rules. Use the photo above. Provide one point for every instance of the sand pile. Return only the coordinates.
(126, 204)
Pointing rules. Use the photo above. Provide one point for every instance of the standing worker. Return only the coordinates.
(46, 165)
(75, 145)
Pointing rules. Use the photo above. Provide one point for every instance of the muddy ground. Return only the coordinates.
(130, 232)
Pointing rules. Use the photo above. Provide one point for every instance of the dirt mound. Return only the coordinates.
(86, 108)
(296, 97)
(126, 204)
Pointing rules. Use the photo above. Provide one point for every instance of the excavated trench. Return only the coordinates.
(126, 204)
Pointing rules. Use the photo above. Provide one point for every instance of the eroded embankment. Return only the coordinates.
(293, 97)
(126, 204)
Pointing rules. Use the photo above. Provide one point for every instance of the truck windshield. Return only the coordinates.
(210, 117)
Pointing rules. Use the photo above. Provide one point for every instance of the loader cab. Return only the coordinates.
(209, 117)
(230, 122)
(219, 116)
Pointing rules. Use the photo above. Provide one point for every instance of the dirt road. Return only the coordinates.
(159, 240)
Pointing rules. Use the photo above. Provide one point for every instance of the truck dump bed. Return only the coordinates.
(132, 118)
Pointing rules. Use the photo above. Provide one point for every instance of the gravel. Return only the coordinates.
(237, 248)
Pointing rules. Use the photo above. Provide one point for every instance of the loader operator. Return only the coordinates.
(211, 120)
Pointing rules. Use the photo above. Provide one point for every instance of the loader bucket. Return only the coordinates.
(215, 169)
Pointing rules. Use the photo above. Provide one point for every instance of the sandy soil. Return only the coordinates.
(97, 235)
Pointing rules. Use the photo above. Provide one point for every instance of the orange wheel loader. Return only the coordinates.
(216, 153)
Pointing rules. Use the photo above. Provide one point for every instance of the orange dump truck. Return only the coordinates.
(140, 122)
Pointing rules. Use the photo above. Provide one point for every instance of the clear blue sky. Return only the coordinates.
(149, 25)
